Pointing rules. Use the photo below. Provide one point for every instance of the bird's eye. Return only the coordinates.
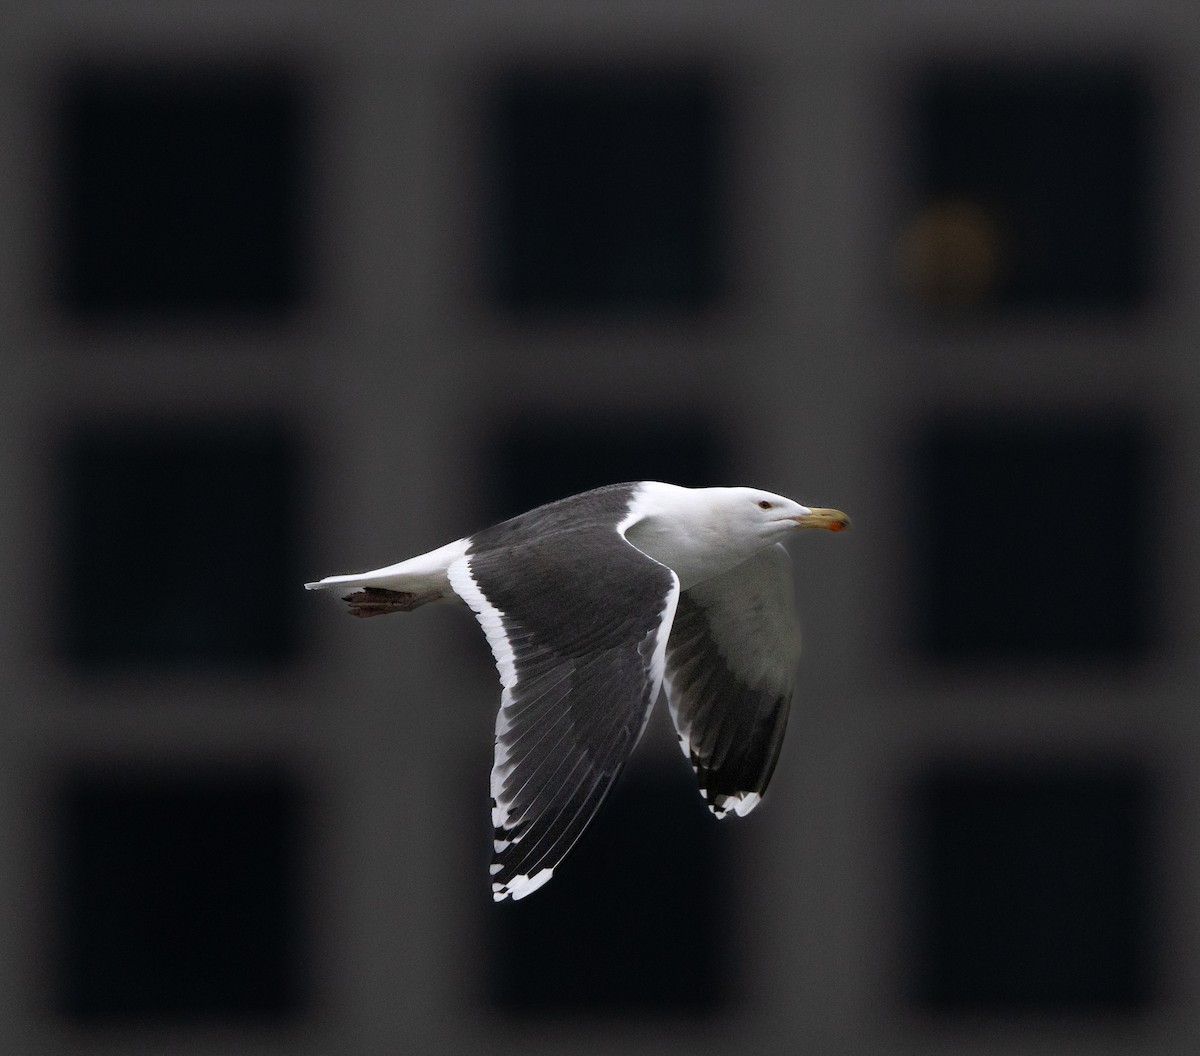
(764, 505)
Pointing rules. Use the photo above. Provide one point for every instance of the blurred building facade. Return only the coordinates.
(290, 290)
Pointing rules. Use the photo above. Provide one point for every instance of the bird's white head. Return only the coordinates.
(772, 518)
(701, 532)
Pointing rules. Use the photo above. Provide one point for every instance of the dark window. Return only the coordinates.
(1033, 186)
(1034, 538)
(543, 457)
(181, 191)
(636, 921)
(179, 544)
(179, 896)
(606, 190)
(1033, 889)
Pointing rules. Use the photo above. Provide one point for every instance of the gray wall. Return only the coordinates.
(397, 374)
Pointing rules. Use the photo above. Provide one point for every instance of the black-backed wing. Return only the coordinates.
(577, 620)
(731, 668)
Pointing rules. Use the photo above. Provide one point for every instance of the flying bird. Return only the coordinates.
(591, 605)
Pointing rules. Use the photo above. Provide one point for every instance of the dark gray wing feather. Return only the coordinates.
(731, 663)
(577, 622)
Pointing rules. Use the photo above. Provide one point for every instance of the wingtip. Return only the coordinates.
(520, 886)
(741, 803)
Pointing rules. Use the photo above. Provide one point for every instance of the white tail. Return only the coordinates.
(400, 587)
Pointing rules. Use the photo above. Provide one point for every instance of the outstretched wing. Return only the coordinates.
(579, 634)
(731, 668)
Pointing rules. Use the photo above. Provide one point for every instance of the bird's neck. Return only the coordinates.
(695, 552)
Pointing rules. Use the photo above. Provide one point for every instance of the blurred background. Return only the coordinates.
(294, 289)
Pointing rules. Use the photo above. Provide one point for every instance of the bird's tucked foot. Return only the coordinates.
(379, 601)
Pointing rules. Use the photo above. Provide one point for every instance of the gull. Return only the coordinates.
(594, 604)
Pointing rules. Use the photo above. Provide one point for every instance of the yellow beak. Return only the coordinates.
(833, 520)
